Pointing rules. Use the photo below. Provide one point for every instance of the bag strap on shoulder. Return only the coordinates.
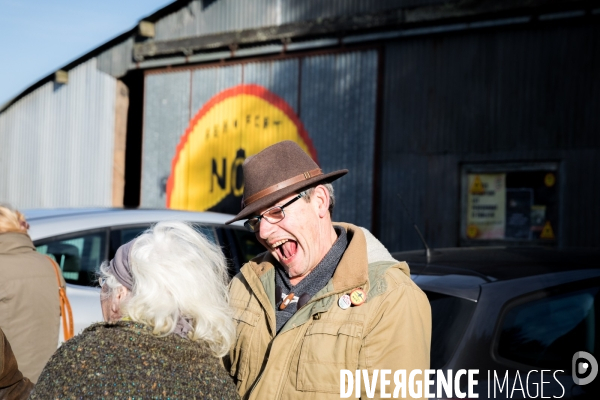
(66, 312)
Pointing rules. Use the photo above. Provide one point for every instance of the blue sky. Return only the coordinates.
(38, 37)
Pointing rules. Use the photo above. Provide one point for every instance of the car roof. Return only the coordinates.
(54, 222)
(462, 271)
(41, 213)
(499, 263)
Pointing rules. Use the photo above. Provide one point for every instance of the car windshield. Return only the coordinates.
(450, 316)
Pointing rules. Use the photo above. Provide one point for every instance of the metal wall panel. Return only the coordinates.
(206, 82)
(581, 214)
(117, 60)
(517, 94)
(218, 16)
(338, 105)
(293, 11)
(279, 77)
(231, 15)
(166, 116)
(57, 143)
(334, 96)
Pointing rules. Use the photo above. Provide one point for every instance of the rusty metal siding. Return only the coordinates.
(57, 143)
(515, 94)
(333, 95)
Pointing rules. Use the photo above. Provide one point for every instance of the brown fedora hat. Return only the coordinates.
(276, 172)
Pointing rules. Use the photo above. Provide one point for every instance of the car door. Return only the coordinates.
(544, 330)
(239, 246)
(528, 324)
(79, 255)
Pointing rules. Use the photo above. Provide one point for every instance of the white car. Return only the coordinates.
(80, 239)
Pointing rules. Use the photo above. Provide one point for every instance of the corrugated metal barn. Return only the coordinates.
(478, 121)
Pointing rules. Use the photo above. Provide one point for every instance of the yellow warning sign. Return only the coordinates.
(472, 231)
(477, 186)
(549, 179)
(486, 210)
(547, 232)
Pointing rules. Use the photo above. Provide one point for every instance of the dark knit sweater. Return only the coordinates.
(124, 360)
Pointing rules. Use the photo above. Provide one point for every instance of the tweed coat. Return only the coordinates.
(391, 330)
(125, 360)
(29, 303)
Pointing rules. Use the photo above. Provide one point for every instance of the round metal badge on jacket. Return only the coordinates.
(357, 297)
(344, 302)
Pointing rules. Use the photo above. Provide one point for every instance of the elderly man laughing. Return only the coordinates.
(325, 297)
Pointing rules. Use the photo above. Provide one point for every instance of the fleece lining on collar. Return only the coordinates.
(353, 269)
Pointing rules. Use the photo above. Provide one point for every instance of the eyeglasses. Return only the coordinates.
(272, 215)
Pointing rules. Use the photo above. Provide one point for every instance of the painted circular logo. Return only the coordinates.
(206, 172)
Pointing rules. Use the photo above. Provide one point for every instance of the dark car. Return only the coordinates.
(512, 313)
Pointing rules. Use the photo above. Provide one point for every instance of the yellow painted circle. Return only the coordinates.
(232, 126)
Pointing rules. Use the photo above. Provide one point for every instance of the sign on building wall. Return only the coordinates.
(201, 122)
(486, 206)
(517, 202)
(235, 124)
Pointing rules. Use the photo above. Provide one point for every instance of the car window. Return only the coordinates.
(127, 235)
(247, 244)
(546, 332)
(208, 232)
(119, 236)
(78, 256)
(239, 246)
(450, 317)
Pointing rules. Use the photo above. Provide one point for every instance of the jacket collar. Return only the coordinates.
(14, 243)
(352, 271)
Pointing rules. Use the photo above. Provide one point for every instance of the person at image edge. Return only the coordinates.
(29, 298)
(324, 297)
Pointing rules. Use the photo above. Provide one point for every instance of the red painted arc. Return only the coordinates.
(252, 90)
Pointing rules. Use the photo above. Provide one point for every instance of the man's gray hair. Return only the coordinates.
(329, 188)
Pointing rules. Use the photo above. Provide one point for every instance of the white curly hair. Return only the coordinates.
(177, 272)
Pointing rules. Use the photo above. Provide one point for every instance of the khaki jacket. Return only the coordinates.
(391, 330)
(29, 303)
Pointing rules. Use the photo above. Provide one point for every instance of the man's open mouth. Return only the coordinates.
(286, 248)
